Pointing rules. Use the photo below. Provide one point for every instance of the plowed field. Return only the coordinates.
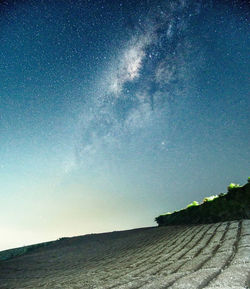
(178, 257)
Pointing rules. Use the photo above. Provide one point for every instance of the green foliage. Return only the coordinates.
(233, 205)
(209, 199)
(222, 194)
(233, 186)
(248, 179)
(193, 204)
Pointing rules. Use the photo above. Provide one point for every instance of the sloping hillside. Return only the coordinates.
(189, 256)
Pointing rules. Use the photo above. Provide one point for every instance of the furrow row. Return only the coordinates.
(152, 268)
(134, 259)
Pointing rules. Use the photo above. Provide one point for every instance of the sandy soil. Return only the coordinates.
(179, 257)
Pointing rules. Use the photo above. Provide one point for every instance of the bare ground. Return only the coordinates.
(178, 257)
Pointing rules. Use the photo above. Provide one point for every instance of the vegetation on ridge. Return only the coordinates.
(193, 204)
(234, 205)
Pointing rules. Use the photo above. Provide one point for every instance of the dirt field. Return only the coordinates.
(180, 257)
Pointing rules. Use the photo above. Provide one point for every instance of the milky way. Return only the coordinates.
(132, 105)
(113, 112)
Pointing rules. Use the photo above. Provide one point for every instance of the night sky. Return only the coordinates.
(113, 112)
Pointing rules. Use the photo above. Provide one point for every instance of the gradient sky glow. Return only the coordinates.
(113, 112)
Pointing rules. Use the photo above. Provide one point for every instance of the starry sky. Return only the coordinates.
(113, 112)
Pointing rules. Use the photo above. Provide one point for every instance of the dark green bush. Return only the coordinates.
(194, 203)
(234, 205)
(233, 186)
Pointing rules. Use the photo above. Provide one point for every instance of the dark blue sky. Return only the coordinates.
(113, 112)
